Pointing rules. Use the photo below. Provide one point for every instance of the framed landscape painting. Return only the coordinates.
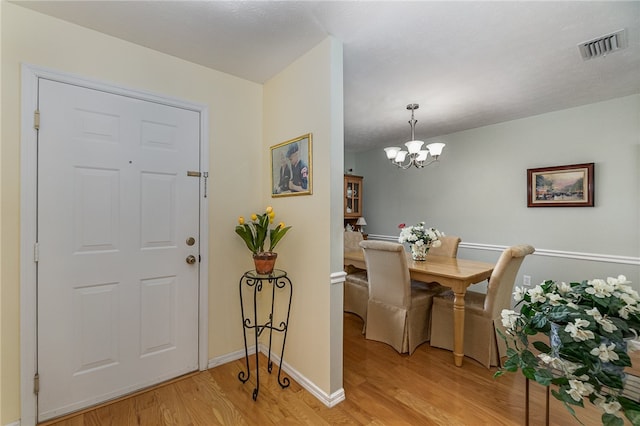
(560, 186)
(291, 167)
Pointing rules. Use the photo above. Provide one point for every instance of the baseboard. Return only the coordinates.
(214, 362)
(593, 257)
(329, 400)
(16, 423)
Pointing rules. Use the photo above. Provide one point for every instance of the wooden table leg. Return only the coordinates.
(458, 328)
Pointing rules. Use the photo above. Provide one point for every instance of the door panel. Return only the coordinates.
(117, 303)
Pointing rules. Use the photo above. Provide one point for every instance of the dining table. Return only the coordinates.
(452, 272)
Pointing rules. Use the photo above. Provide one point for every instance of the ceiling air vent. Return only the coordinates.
(604, 45)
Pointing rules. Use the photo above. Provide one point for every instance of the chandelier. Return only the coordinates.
(417, 157)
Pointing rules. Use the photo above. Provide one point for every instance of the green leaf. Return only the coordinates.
(512, 364)
(559, 313)
(539, 321)
(543, 376)
(612, 380)
(560, 381)
(631, 409)
(629, 404)
(276, 235)
(247, 236)
(261, 226)
(624, 360)
(528, 358)
(512, 353)
(529, 373)
(611, 420)
(542, 347)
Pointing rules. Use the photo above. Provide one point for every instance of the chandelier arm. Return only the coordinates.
(405, 166)
(421, 164)
(414, 148)
(413, 162)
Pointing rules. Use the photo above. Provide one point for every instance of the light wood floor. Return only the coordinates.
(381, 388)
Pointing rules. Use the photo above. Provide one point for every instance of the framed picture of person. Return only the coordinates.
(291, 167)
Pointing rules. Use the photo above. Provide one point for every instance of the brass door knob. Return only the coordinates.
(191, 259)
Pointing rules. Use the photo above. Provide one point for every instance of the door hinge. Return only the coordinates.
(36, 383)
(36, 252)
(36, 119)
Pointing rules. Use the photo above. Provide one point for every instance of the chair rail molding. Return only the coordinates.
(594, 257)
(337, 277)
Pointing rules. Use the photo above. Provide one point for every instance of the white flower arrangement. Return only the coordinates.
(591, 326)
(419, 235)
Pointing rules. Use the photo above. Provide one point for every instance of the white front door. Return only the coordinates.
(117, 300)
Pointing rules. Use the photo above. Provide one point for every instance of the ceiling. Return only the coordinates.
(468, 64)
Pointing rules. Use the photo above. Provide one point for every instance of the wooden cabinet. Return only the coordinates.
(352, 199)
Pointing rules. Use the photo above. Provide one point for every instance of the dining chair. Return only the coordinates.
(448, 247)
(352, 240)
(356, 284)
(482, 311)
(397, 313)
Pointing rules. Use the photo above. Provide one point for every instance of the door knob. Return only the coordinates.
(191, 259)
(191, 241)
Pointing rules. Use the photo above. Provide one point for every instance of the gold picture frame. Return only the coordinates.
(291, 168)
(561, 186)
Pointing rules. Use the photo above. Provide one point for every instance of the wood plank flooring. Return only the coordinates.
(381, 387)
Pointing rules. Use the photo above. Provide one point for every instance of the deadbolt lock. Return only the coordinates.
(191, 241)
(191, 259)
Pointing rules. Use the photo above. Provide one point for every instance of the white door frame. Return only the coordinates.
(29, 215)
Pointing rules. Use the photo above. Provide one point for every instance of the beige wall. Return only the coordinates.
(301, 100)
(235, 145)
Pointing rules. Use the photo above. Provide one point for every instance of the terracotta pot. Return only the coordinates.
(265, 262)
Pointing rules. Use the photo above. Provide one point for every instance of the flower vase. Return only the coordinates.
(419, 252)
(554, 340)
(264, 262)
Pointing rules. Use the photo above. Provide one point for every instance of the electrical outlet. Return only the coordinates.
(526, 280)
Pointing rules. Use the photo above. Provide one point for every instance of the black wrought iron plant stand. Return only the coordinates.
(278, 280)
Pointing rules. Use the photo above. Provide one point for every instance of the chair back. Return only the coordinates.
(351, 240)
(503, 278)
(448, 247)
(389, 279)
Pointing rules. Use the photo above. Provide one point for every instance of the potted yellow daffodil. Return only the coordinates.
(254, 234)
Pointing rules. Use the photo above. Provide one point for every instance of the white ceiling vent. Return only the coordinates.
(604, 45)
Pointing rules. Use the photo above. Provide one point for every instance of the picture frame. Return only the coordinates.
(561, 186)
(291, 167)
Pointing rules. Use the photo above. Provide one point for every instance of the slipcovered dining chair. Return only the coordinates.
(356, 284)
(482, 311)
(397, 313)
(352, 240)
(448, 247)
